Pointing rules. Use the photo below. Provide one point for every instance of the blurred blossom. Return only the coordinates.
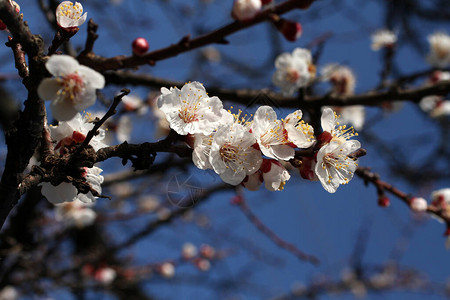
(72, 89)
(244, 10)
(167, 270)
(419, 204)
(188, 251)
(293, 71)
(134, 103)
(148, 203)
(75, 214)
(202, 264)
(9, 293)
(211, 54)
(383, 38)
(439, 55)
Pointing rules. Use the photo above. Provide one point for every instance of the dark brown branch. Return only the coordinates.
(186, 43)
(246, 96)
(374, 179)
(111, 111)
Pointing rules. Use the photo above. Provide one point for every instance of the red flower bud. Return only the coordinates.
(290, 29)
(140, 46)
(384, 201)
(265, 2)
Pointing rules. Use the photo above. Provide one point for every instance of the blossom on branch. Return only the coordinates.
(73, 88)
(332, 130)
(69, 15)
(300, 134)
(245, 10)
(293, 71)
(334, 167)
(383, 38)
(190, 110)
(271, 135)
(439, 55)
(67, 136)
(75, 214)
(232, 154)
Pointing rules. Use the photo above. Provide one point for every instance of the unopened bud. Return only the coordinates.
(291, 30)
(245, 10)
(418, 204)
(207, 251)
(140, 46)
(384, 201)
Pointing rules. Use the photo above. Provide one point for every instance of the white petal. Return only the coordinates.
(60, 65)
(64, 192)
(91, 77)
(48, 89)
(328, 120)
(63, 110)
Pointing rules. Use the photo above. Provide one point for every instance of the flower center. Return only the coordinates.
(70, 11)
(229, 153)
(72, 86)
(292, 76)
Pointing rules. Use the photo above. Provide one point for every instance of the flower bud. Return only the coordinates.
(265, 2)
(140, 46)
(291, 30)
(245, 10)
(384, 201)
(418, 204)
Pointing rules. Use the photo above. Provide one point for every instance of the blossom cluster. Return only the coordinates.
(67, 135)
(249, 151)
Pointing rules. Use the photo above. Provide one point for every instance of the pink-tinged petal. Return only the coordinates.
(64, 192)
(60, 65)
(48, 89)
(63, 110)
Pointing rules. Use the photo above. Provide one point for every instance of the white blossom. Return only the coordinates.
(75, 214)
(299, 133)
(341, 77)
(274, 175)
(105, 275)
(67, 192)
(9, 293)
(69, 15)
(270, 134)
(189, 251)
(418, 204)
(73, 88)
(383, 38)
(244, 10)
(333, 131)
(334, 167)
(67, 135)
(439, 55)
(190, 110)
(167, 270)
(293, 71)
(232, 155)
